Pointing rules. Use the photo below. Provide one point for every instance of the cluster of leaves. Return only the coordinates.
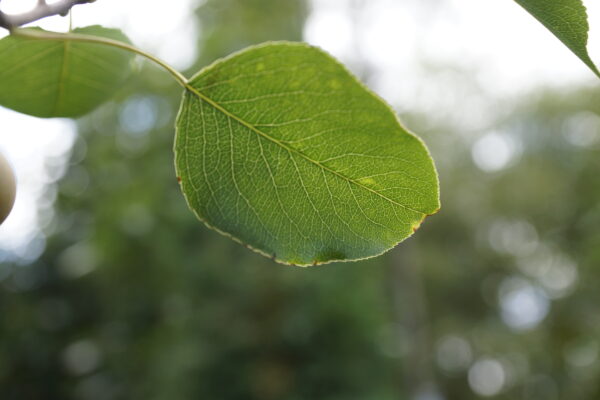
(278, 147)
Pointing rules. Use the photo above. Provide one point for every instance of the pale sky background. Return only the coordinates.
(412, 49)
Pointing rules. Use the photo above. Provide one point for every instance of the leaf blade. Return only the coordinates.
(61, 78)
(567, 20)
(287, 184)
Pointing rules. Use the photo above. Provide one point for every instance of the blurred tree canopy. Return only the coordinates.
(133, 298)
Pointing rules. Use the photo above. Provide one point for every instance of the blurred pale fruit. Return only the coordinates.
(7, 188)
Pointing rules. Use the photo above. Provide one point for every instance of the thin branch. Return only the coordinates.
(42, 10)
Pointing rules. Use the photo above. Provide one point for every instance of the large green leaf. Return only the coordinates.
(280, 148)
(61, 78)
(567, 19)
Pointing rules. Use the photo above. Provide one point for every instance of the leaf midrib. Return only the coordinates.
(266, 136)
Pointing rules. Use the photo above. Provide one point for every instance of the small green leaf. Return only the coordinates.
(280, 148)
(567, 20)
(61, 78)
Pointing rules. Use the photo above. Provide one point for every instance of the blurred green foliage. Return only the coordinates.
(134, 299)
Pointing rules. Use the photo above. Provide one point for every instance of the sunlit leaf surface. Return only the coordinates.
(282, 149)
